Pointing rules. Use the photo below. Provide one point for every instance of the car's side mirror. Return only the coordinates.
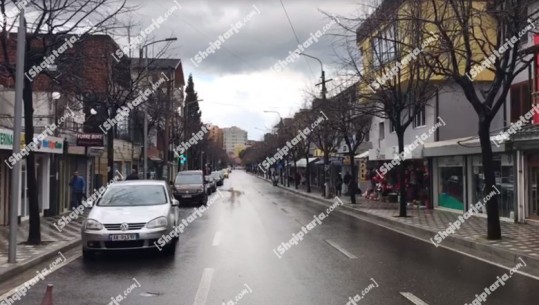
(175, 202)
(88, 204)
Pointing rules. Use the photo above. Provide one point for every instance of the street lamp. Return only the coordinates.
(324, 91)
(323, 83)
(282, 126)
(145, 136)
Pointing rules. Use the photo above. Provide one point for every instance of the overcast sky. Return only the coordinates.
(236, 82)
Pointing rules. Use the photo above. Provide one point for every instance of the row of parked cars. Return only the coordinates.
(191, 187)
(135, 214)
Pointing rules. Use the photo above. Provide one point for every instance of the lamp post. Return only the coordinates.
(145, 136)
(324, 92)
(324, 81)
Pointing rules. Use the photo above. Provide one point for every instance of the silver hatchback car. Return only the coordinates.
(130, 215)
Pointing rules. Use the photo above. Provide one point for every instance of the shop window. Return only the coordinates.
(503, 171)
(520, 100)
(451, 183)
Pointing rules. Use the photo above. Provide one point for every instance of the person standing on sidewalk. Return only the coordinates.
(338, 185)
(77, 185)
(346, 180)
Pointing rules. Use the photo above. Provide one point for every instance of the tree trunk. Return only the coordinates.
(307, 173)
(353, 182)
(402, 177)
(34, 233)
(493, 217)
(110, 147)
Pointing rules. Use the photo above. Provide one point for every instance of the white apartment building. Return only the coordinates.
(232, 137)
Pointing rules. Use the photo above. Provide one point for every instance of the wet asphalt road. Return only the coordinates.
(228, 253)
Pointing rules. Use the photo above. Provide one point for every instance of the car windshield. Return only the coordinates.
(189, 179)
(215, 175)
(133, 195)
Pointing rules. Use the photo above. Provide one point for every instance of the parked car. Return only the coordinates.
(130, 215)
(225, 173)
(218, 177)
(211, 184)
(190, 187)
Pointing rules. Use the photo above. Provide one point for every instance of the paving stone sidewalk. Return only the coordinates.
(53, 240)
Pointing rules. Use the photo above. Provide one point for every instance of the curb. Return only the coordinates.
(482, 251)
(19, 268)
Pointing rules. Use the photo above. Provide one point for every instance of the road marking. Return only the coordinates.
(217, 238)
(369, 220)
(204, 287)
(341, 249)
(412, 298)
(30, 281)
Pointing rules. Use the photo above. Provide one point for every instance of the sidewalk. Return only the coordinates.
(519, 240)
(53, 242)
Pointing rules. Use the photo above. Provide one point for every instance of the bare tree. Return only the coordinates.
(353, 126)
(476, 38)
(385, 54)
(52, 21)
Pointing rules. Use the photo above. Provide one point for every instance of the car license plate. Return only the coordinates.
(122, 237)
(187, 196)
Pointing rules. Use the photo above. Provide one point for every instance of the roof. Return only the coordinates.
(157, 63)
(140, 182)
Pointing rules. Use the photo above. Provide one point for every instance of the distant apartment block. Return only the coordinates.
(232, 137)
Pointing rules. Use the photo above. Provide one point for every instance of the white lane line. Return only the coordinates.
(387, 227)
(204, 287)
(412, 298)
(341, 249)
(217, 238)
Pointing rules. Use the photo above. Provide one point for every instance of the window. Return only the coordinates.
(384, 46)
(381, 131)
(419, 119)
(520, 100)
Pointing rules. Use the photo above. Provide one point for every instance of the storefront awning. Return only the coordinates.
(303, 162)
(458, 147)
(362, 155)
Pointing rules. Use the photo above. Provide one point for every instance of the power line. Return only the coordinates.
(294, 31)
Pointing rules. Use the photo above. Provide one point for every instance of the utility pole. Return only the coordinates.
(17, 122)
(323, 93)
(167, 127)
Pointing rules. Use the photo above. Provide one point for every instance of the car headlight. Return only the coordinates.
(92, 224)
(159, 222)
(200, 190)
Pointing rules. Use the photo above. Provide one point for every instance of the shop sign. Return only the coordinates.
(362, 169)
(90, 139)
(50, 144)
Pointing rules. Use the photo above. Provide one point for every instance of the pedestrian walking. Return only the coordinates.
(77, 185)
(347, 179)
(338, 185)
